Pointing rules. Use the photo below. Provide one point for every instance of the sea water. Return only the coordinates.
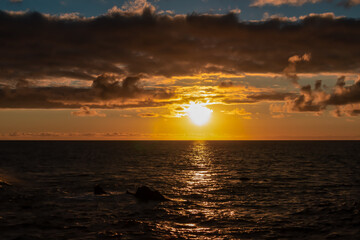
(218, 190)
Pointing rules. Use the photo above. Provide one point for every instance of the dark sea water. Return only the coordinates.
(219, 190)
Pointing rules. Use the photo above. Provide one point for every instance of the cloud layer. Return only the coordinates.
(115, 51)
(106, 92)
(344, 98)
(261, 3)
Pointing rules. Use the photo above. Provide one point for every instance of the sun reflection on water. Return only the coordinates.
(204, 210)
(201, 184)
(200, 177)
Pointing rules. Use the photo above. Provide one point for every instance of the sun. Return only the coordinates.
(198, 113)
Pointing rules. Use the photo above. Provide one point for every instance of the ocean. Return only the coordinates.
(217, 189)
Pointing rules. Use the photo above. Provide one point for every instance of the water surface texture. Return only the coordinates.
(219, 190)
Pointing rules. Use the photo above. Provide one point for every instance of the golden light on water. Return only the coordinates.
(198, 113)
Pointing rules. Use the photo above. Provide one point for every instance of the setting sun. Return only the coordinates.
(198, 113)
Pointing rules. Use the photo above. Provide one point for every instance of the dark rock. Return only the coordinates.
(146, 194)
(245, 179)
(98, 190)
(4, 185)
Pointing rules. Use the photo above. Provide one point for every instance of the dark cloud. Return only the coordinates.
(317, 100)
(340, 82)
(306, 102)
(35, 47)
(318, 85)
(108, 87)
(345, 94)
(106, 92)
(355, 112)
(349, 111)
(309, 100)
(226, 84)
(21, 83)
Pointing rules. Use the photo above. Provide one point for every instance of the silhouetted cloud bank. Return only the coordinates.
(115, 51)
(316, 100)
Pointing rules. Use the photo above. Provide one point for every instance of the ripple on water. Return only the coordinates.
(221, 190)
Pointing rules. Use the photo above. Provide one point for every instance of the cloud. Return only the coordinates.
(31, 134)
(278, 108)
(148, 115)
(113, 53)
(351, 110)
(260, 3)
(238, 101)
(137, 6)
(107, 91)
(345, 94)
(71, 135)
(267, 17)
(239, 112)
(107, 86)
(279, 17)
(87, 112)
(170, 12)
(309, 100)
(316, 100)
(133, 7)
(235, 11)
(273, 96)
(16, 1)
(290, 70)
(349, 3)
(325, 15)
(70, 16)
(148, 44)
(226, 84)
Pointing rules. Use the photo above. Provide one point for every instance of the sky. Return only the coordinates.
(179, 70)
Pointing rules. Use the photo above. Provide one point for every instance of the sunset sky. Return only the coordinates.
(179, 69)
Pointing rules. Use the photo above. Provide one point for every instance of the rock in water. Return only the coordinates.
(98, 190)
(4, 185)
(245, 179)
(146, 194)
